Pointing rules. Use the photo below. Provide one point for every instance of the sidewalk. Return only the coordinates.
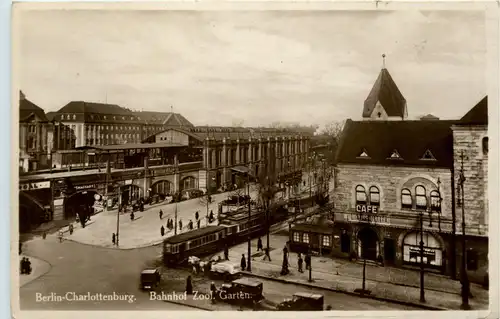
(38, 268)
(144, 230)
(402, 285)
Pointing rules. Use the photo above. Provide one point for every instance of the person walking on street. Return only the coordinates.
(71, 229)
(161, 214)
(162, 231)
(259, 244)
(300, 261)
(180, 225)
(189, 286)
(226, 252)
(28, 266)
(44, 235)
(190, 225)
(308, 261)
(213, 291)
(113, 239)
(243, 262)
(266, 256)
(211, 217)
(22, 266)
(196, 215)
(132, 216)
(61, 235)
(198, 222)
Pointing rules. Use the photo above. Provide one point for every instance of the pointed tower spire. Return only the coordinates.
(383, 61)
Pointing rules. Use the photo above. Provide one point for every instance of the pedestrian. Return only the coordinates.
(300, 262)
(243, 262)
(211, 217)
(20, 248)
(213, 291)
(190, 224)
(28, 266)
(61, 235)
(285, 251)
(113, 238)
(180, 225)
(307, 259)
(189, 286)
(132, 216)
(161, 214)
(44, 235)
(169, 225)
(71, 229)
(196, 215)
(198, 222)
(266, 254)
(22, 266)
(162, 231)
(226, 252)
(259, 244)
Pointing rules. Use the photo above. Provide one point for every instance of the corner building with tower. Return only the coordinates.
(398, 182)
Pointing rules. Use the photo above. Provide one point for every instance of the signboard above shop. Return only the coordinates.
(367, 209)
(34, 185)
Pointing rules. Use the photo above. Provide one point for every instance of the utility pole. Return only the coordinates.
(249, 264)
(175, 212)
(422, 290)
(465, 278)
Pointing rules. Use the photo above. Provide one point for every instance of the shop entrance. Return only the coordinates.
(368, 243)
(82, 202)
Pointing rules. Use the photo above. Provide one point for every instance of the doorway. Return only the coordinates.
(389, 251)
(368, 243)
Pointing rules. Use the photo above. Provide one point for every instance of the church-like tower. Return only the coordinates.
(385, 102)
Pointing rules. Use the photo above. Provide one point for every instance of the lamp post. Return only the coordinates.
(310, 263)
(422, 270)
(249, 264)
(464, 278)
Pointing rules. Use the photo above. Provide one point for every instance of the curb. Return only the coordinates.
(405, 303)
(187, 305)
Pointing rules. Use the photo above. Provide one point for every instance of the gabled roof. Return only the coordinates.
(95, 108)
(176, 119)
(411, 139)
(387, 93)
(28, 108)
(478, 115)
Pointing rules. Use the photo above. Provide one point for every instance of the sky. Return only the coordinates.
(253, 68)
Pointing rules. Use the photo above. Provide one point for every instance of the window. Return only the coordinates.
(420, 198)
(374, 196)
(406, 202)
(428, 156)
(395, 155)
(485, 145)
(364, 154)
(360, 195)
(435, 201)
(305, 238)
(296, 237)
(327, 241)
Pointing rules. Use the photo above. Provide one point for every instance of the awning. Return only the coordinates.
(241, 169)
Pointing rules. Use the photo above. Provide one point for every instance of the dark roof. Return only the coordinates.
(386, 91)
(163, 118)
(410, 139)
(478, 115)
(28, 108)
(193, 234)
(95, 108)
(313, 228)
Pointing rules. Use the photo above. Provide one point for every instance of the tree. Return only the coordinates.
(327, 139)
(266, 191)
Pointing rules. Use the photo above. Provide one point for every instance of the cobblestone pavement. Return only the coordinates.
(386, 282)
(144, 230)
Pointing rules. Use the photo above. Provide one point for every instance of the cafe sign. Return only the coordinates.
(366, 209)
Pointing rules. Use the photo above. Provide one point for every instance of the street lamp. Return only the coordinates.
(464, 278)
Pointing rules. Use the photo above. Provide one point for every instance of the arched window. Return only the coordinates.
(406, 201)
(374, 196)
(420, 198)
(360, 195)
(189, 183)
(485, 145)
(435, 201)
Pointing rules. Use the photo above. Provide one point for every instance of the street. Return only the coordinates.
(85, 269)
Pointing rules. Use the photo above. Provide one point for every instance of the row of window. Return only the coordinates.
(302, 237)
(203, 240)
(105, 117)
(408, 201)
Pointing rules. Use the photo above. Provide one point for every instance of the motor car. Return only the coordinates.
(302, 301)
(150, 278)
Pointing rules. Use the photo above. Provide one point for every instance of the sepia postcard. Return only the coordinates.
(181, 158)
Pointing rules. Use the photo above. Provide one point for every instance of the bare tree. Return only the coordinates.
(266, 191)
(328, 138)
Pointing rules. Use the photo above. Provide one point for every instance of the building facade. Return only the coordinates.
(396, 184)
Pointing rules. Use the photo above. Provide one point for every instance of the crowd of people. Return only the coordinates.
(190, 225)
